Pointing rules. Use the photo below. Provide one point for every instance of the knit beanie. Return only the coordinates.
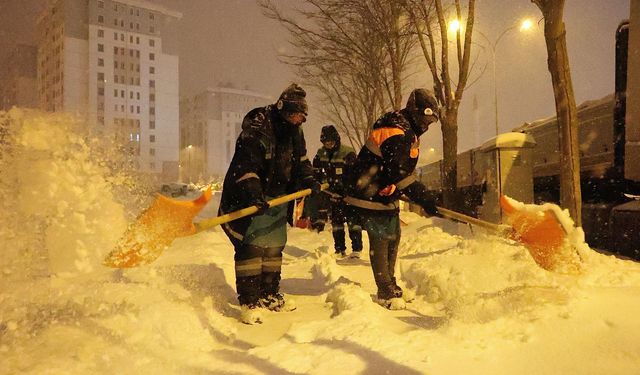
(292, 100)
(420, 100)
(329, 133)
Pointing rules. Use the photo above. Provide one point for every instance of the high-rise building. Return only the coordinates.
(210, 122)
(116, 63)
(18, 85)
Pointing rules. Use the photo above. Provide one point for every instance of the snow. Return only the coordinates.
(482, 305)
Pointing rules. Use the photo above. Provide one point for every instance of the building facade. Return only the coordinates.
(116, 64)
(18, 77)
(210, 122)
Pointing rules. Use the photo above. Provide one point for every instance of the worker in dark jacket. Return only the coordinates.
(270, 160)
(331, 163)
(382, 173)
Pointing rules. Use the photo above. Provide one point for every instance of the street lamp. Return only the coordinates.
(524, 25)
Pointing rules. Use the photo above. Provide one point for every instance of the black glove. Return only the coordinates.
(262, 206)
(429, 206)
(315, 187)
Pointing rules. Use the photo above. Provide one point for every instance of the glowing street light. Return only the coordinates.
(524, 25)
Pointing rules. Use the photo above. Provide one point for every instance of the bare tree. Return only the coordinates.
(450, 78)
(354, 52)
(558, 63)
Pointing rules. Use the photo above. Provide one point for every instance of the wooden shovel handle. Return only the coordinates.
(210, 223)
(497, 228)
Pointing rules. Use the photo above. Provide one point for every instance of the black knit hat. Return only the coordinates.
(292, 100)
(420, 100)
(329, 133)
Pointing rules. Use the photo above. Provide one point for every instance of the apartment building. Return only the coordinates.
(210, 122)
(116, 64)
(18, 85)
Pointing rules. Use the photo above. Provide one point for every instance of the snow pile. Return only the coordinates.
(482, 304)
(56, 196)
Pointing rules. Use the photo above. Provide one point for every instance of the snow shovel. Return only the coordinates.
(541, 233)
(167, 219)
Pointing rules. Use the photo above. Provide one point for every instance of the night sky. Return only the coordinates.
(231, 41)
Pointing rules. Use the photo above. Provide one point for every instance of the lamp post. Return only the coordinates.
(524, 25)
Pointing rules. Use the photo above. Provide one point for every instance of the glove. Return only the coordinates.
(315, 187)
(262, 205)
(429, 206)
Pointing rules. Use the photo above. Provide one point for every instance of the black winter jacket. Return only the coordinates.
(270, 160)
(332, 166)
(384, 168)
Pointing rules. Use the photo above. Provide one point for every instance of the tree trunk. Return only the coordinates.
(558, 62)
(449, 158)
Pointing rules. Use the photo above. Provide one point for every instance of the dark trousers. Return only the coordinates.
(384, 238)
(258, 242)
(340, 216)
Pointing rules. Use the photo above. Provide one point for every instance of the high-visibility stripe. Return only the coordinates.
(247, 176)
(372, 205)
(378, 136)
(249, 267)
(271, 264)
(406, 182)
(232, 232)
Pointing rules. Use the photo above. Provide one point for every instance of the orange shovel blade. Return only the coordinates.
(155, 229)
(540, 232)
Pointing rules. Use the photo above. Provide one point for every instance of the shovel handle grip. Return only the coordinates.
(210, 223)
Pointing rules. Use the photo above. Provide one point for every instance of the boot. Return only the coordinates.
(277, 303)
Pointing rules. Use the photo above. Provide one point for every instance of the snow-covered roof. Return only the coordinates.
(152, 6)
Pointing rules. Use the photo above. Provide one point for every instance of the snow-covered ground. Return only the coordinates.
(482, 305)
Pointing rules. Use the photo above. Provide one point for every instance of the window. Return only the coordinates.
(152, 138)
(137, 109)
(138, 12)
(122, 37)
(152, 43)
(131, 81)
(115, 36)
(130, 38)
(115, 78)
(152, 151)
(100, 33)
(152, 16)
(115, 95)
(152, 29)
(137, 53)
(100, 47)
(131, 11)
(121, 23)
(101, 77)
(152, 70)
(100, 4)
(115, 50)
(137, 40)
(130, 94)
(152, 124)
(138, 95)
(122, 96)
(131, 53)
(152, 83)
(100, 91)
(152, 97)
(152, 110)
(122, 108)
(152, 56)
(100, 19)
(131, 108)
(115, 21)
(137, 26)
(101, 120)
(152, 165)
(115, 7)
(100, 62)
(122, 51)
